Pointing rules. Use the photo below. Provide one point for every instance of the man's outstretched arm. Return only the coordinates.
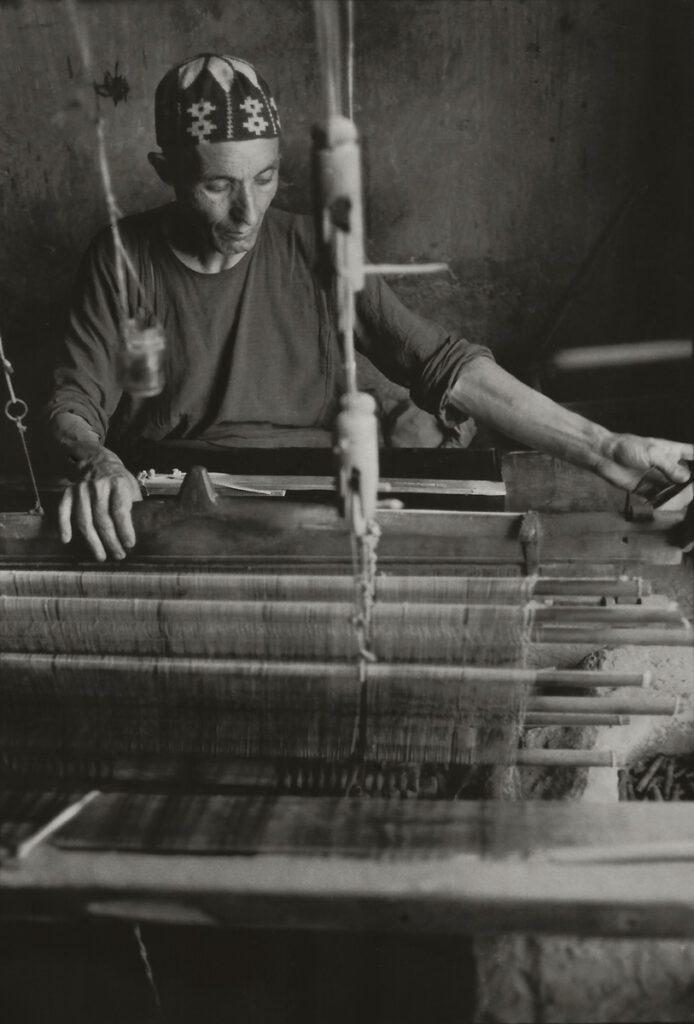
(99, 504)
(490, 395)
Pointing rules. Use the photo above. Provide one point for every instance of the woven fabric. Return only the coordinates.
(213, 98)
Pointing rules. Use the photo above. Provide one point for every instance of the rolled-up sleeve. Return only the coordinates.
(85, 375)
(410, 350)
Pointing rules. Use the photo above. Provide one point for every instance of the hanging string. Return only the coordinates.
(350, 59)
(123, 261)
(16, 411)
(363, 542)
(329, 56)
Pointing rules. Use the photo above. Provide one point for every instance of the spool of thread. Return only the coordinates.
(141, 364)
(357, 455)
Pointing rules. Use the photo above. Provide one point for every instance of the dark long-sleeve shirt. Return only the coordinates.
(252, 353)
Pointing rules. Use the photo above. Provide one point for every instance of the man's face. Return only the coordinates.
(224, 189)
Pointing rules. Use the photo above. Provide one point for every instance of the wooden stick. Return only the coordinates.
(588, 600)
(621, 586)
(593, 616)
(592, 357)
(24, 848)
(614, 703)
(589, 678)
(641, 636)
(266, 586)
(406, 268)
(538, 719)
(293, 611)
(18, 670)
(559, 758)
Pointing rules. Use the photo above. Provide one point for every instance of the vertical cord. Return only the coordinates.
(113, 215)
(123, 261)
(17, 417)
(84, 47)
(350, 59)
(328, 38)
(331, 59)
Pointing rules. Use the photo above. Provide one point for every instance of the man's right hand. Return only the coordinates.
(99, 506)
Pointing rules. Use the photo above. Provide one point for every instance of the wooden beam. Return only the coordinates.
(410, 867)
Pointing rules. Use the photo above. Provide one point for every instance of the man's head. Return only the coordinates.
(218, 129)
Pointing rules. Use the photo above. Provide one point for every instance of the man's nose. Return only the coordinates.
(243, 207)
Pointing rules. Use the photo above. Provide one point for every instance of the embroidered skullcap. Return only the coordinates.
(213, 98)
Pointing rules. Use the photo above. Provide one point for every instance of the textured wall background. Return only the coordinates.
(499, 135)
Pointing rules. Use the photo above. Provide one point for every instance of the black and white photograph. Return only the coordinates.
(346, 511)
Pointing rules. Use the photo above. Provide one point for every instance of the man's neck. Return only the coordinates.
(198, 258)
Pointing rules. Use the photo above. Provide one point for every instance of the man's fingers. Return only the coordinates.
(84, 522)
(100, 493)
(672, 459)
(121, 513)
(65, 516)
(678, 502)
(678, 472)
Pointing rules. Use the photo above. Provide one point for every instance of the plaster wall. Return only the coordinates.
(499, 135)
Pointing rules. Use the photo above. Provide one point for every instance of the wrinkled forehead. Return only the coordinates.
(240, 160)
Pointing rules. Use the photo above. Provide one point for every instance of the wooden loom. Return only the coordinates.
(107, 687)
(220, 660)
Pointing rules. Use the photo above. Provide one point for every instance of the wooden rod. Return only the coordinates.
(540, 719)
(642, 636)
(269, 608)
(620, 586)
(614, 703)
(589, 678)
(588, 600)
(592, 357)
(277, 586)
(559, 758)
(19, 670)
(615, 615)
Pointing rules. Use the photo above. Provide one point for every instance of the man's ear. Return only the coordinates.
(162, 166)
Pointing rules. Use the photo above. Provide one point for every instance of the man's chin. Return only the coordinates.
(234, 245)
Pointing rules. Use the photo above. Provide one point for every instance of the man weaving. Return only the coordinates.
(252, 354)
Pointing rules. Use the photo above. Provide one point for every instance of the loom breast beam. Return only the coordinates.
(261, 533)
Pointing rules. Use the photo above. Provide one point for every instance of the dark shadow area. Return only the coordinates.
(84, 973)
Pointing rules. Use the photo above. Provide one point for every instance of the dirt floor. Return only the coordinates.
(565, 979)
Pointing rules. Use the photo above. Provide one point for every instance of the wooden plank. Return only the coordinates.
(259, 531)
(547, 484)
(459, 867)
